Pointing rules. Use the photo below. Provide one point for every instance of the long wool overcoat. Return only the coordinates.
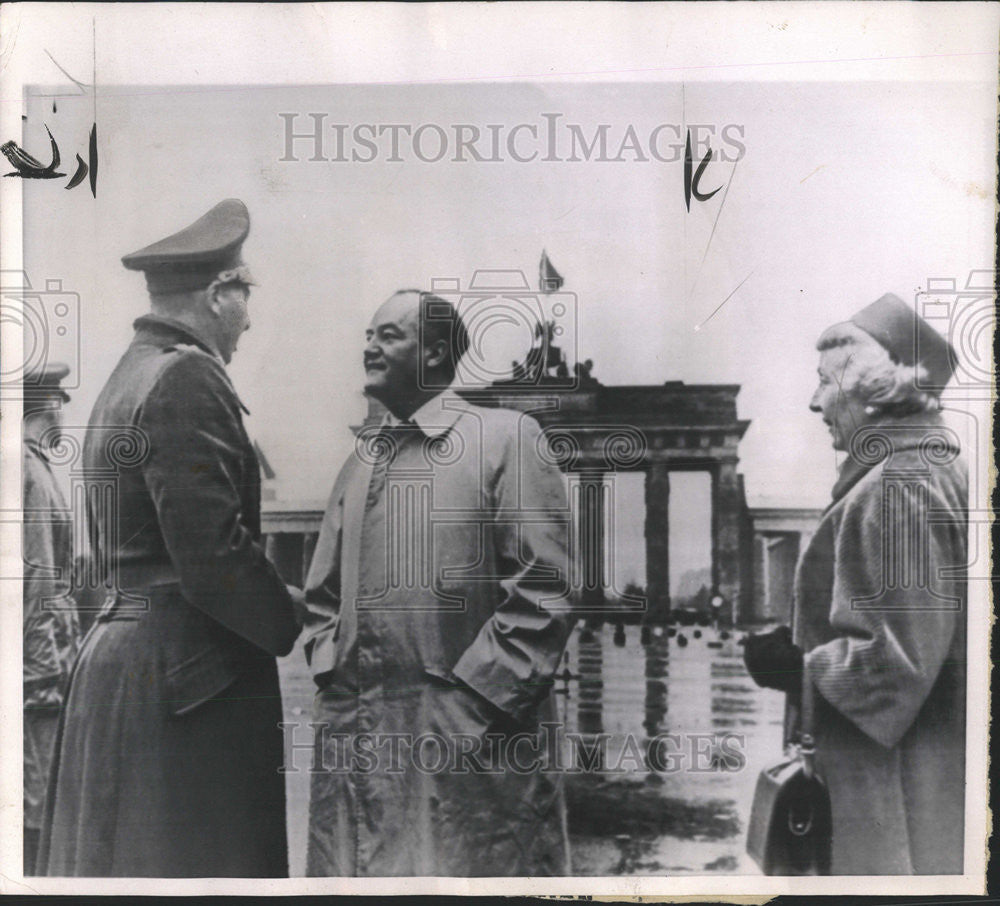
(51, 629)
(438, 618)
(880, 612)
(169, 750)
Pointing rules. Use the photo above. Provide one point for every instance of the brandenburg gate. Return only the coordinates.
(595, 432)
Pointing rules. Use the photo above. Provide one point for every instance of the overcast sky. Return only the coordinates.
(842, 192)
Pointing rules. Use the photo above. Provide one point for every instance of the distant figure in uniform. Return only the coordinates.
(436, 611)
(879, 641)
(170, 748)
(51, 629)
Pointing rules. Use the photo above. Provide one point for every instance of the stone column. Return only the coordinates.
(591, 535)
(727, 513)
(761, 577)
(658, 540)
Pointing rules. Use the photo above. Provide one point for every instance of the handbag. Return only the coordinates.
(791, 828)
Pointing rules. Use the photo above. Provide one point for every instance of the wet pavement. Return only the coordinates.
(713, 731)
(722, 730)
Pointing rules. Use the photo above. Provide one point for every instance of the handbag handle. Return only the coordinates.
(799, 709)
(808, 699)
(799, 719)
(807, 741)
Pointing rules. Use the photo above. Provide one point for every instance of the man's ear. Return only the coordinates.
(212, 301)
(436, 353)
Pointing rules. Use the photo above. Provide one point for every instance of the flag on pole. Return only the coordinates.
(549, 279)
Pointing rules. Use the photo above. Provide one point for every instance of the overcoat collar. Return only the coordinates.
(435, 417)
(158, 324)
(906, 433)
(161, 324)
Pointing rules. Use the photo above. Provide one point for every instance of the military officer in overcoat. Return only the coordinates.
(169, 751)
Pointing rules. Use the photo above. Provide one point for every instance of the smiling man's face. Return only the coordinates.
(393, 351)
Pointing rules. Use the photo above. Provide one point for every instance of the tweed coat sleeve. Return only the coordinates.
(196, 474)
(513, 658)
(896, 601)
(50, 632)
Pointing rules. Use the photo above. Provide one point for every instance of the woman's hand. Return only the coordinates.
(773, 660)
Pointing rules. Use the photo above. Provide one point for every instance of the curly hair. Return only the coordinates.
(876, 377)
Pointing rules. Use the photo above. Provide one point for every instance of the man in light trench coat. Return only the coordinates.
(437, 616)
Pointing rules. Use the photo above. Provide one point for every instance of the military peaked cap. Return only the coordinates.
(44, 382)
(208, 249)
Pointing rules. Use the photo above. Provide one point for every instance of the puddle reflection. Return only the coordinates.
(692, 685)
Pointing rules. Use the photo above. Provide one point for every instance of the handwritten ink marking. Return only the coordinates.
(26, 166)
(93, 131)
(691, 185)
(711, 235)
(81, 172)
(93, 154)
